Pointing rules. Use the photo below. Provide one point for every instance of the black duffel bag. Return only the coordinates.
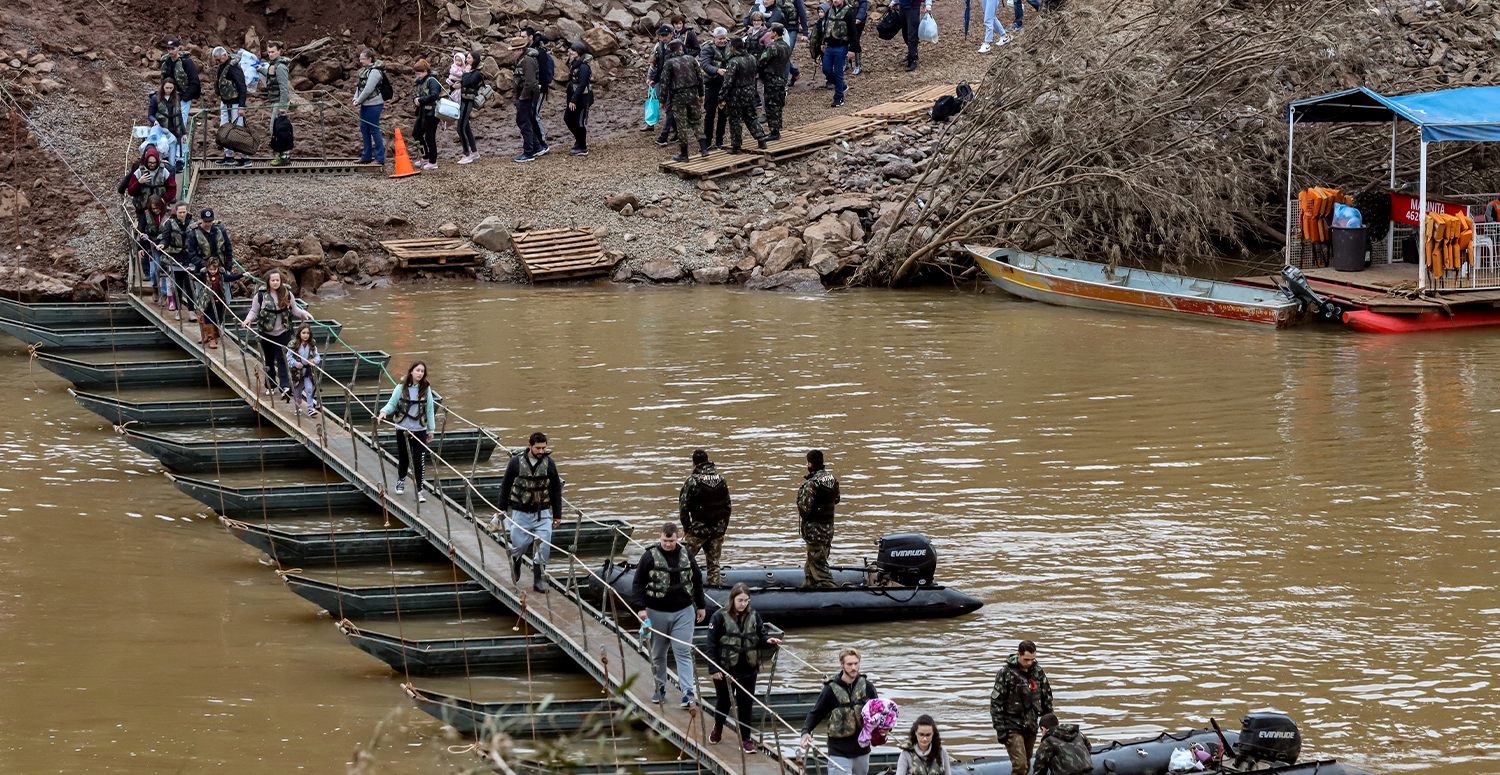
(890, 24)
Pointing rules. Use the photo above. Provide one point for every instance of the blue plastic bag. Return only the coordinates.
(653, 107)
(1346, 217)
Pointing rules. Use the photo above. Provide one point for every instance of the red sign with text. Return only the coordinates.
(1404, 208)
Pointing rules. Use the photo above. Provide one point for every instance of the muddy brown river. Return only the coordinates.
(1191, 520)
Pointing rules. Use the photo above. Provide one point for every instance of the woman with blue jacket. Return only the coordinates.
(411, 408)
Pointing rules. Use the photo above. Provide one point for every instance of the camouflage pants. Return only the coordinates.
(819, 538)
(1020, 746)
(688, 116)
(740, 114)
(775, 102)
(706, 541)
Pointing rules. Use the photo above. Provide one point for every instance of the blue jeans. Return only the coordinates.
(526, 529)
(833, 68)
(992, 23)
(369, 133)
(1036, 5)
(791, 68)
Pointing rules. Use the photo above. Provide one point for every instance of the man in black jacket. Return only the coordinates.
(229, 84)
(580, 97)
(668, 588)
(703, 507)
(712, 58)
(843, 698)
(532, 491)
(178, 67)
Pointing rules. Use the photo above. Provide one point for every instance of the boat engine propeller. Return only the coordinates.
(1293, 284)
(907, 559)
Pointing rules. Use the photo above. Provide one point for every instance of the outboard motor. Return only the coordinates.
(1293, 284)
(1269, 737)
(908, 559)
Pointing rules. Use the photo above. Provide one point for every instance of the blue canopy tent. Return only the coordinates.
(1469, 114)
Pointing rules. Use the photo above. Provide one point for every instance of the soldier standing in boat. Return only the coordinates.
(703, 507)
(1064, 750)
(815, 501)
(533, 493)
(1020, 698)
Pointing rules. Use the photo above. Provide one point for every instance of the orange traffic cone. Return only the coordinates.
(403, 162)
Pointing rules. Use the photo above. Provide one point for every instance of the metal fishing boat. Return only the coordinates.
(209, 412)
(192, 456)
(1071, 283)
(342, 366)
(289, 547)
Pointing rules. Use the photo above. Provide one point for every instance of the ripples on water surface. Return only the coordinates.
(1191, 520)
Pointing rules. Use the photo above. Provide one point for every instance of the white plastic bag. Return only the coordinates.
(927, 30)
(1183, 760)
(250, 65)
(447, 108)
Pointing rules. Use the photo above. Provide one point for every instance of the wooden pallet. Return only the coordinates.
(716, 164)
(432, 253)
(928, 95)
(793, 143)
(844, 127)
(559, 254)
(896, 112)
(297, 167)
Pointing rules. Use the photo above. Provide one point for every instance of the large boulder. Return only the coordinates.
(311, 246)
(475, 16)
(89, 289)
(32, 287)
(325, 71)
(761, 242)
(491, 69)
(13, 202)
(619, 17)
(333, 289)
(829, 233)
(783, 254)
(662, 270)
(601, 41)
(570, 30)
(795, 281)
(621, 200)
(711, 275)
(856, 229)
(577, 10)
(492, 233)
(449, 229)
(376, 264)
(312, 277)
(347, 263)
(825, 263)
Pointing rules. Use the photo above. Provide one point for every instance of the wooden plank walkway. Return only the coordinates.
(432, 252)
(559, 254)
(262, 166)
(896, 112)
(716, 164)
(599, 645)
(794, 143)
(929, 94)
(844, 127)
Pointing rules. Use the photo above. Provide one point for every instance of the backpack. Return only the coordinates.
(950, 105)
(484, 95)
(281, 135)
(546, 70)
(384, 87)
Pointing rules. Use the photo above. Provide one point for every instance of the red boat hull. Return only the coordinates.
(1380, 323)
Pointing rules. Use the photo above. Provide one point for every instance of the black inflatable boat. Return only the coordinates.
(1266, 743)
(898, 585)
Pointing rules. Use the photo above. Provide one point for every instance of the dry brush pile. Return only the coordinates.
(1153, 133)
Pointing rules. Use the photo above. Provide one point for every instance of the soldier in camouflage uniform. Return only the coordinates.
(1020, 697)
(682, 83)
(703, 507)
(739, 80)
(773, 62)
(815, 501)
(1063, 751)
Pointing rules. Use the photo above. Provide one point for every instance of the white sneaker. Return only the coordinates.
(421, 497)
(984, 48)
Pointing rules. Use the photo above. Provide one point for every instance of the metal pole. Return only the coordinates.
(1422, 225)
(1390, 233)
(1291, 132)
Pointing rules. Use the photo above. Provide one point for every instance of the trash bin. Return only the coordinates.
(1349, 247)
